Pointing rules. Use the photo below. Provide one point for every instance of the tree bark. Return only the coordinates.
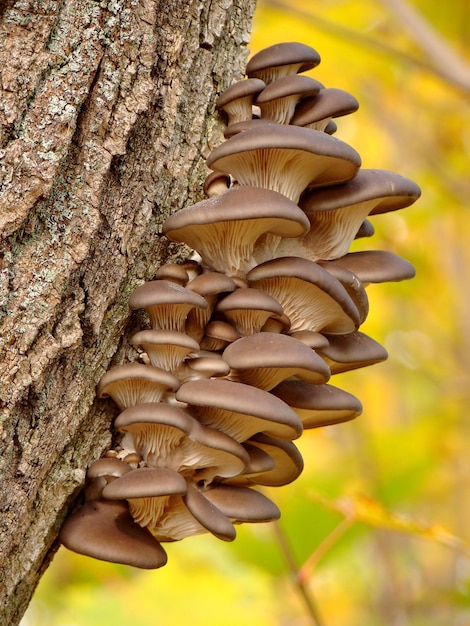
(106, 114)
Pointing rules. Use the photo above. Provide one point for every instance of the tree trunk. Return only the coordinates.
(106, 115)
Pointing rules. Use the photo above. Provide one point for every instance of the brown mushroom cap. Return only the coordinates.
(224, 229)
(173, 273)
(108, 468)
(216, 183)
(134, 383)
(238, 99)
(208, 514)
(352, 351)
(265, 359)
(280, 60)
(166, 349)
(248, 309)
(285, 158)
(239, 410)
(279, 99)
(242, 504)
(167, 304)
(105, 530)
(316, 111)
(218, 334)
(167, 436)
(203, 365)
(318, 405)
(288, 463)
(311, 297)
(376, 266)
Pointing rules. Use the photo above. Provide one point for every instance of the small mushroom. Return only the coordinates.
(242, 504)
(248, 309)
(238, 409)
(316, 111)
(218, 335)
(278, 100)
(237, 100)
(167, 304)
(376, 266)
(265, 359)
(310, 296)
(216, 183)
(134, 383)
(105, 530)
(173, 273)
(352, 351)
(318, 405)
(166, 349)
(281, 60)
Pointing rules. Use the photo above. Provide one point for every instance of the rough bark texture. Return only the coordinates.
(106, 113)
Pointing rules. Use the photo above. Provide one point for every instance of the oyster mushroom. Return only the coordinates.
(281, 60)
(249, 309)
(278, 100)
(237, 100)
(166, 349)
(316, 111)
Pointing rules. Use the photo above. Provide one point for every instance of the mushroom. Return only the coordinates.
(287, 463)
(166, 349)
(134, 383)
(375, 266)
(317, 110)
(238, 99)
(100, 473)
(167, 304)
(285, 158)
(203, 365)
(310, 296)
(218, 334)
(167, 436)
(216, 183)
(224, 229)
(249, 309)
(105, 530)
(265, 359)
(352, 351)
(242, 504)
(238, 409)
(173, 273)
(352, 284)
(210, 285)
(147, 490)
(336, 213)
(281, 60)
(318, 405)
(278, 100)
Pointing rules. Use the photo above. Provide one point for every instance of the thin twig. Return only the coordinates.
(294, 572)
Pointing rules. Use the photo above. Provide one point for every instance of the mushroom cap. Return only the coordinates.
(166, 303)
(165, 348)
(291, 157)
(287, 463)
(318, 405)
(278, 100)
(216, 183)
(311, 297)
(265, 359)
(282, 59)
(105, 530)
(242, 504)
(238, 409)
(173, 273)
(327, 103)
(204, 365)
(145, 482)
(167, 436)
(132, 383)
(239, 127)
(248, 309)
(208, 514)
(107, 467)
(224, 229)
(212, 283)
(237, 100)
(376, 266)
(352, 351)
(218, 334)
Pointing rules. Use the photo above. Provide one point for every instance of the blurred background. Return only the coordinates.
(376, 530)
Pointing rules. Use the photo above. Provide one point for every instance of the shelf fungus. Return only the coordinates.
(236, 361)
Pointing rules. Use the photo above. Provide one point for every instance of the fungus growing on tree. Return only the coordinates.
(243, 341)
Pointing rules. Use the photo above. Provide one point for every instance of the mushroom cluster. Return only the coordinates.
(242, 342)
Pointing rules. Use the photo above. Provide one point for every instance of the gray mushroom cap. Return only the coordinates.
(352, 351)
(280, 60)
(317, 110)
(265, 359)
(238, 409)
(318, 405)
(292, 159)
(376, 266)
(248, 309)
(167, 304)
(310, 296)
(105, 530)
(224, 229)
(242, 504)
(133, 383)
(166, 349)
